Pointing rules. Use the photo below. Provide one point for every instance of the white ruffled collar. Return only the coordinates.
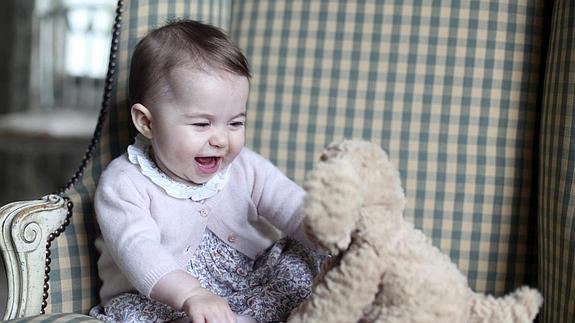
(139, 154)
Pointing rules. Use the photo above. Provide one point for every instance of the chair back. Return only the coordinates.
(449, 89)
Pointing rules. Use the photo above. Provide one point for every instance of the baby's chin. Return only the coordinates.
(199, 180)
(193, 180)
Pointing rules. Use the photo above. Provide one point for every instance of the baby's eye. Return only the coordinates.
(201, 124)
(237, 124)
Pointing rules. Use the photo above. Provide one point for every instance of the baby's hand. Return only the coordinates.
(203, 306)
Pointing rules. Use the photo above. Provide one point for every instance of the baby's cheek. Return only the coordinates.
(237, 142)
(236, 151)
(189, 145)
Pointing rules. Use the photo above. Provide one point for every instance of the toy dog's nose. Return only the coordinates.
(323, 157)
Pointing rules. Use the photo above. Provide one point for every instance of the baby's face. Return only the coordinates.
(199, 129)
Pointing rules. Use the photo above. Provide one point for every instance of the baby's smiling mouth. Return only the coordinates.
(208, 165)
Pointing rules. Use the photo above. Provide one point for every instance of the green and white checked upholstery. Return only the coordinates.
(448, 88)
(451, 89)
(557, 170)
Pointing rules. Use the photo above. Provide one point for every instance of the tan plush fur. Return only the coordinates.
(384, 269)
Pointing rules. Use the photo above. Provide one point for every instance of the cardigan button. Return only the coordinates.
(232, 238)
(203, 213)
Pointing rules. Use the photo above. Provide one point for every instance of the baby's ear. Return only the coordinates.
(142, 119)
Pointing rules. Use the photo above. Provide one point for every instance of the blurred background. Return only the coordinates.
(53, 61)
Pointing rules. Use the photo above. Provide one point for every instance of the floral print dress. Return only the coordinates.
(266, 289)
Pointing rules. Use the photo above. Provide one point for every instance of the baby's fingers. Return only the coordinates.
(214, 314)
(222, 315)
(205, 307)
(198, 318)
(230, 316)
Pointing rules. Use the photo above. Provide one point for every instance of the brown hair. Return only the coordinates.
(180, 43)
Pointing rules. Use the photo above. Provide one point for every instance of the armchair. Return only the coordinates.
(469, 98)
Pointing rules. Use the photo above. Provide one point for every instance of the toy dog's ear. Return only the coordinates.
(373, 167)
(334, 196)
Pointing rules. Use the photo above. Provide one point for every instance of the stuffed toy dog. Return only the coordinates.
(383, 269)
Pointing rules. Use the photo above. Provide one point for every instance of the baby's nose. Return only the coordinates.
(219, 139)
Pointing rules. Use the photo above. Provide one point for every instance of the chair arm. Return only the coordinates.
(56, 318)
(26, 230)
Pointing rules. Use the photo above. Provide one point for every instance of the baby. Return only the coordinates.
(180, 211)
